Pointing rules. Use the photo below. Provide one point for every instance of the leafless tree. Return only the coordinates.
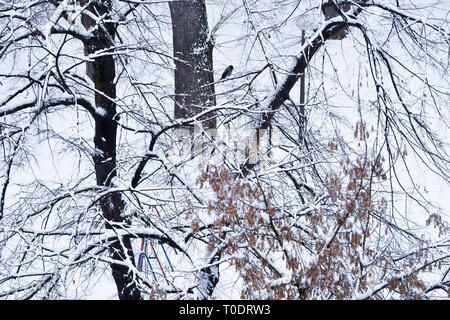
(326, 198)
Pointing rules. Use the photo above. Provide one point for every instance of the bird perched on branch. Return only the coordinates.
(227, 72)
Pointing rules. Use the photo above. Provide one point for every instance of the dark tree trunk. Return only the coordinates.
(194, 87)
(102, 73)
(194, 78)
(331, 10)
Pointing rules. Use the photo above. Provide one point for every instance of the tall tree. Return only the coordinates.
(194, 91)
(102, 72)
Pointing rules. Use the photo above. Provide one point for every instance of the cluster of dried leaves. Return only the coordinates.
(343, 248)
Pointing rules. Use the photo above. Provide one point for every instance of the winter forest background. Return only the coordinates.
(318, 169)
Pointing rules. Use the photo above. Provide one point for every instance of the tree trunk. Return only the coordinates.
(102, 73)
(194, 88)
(330, 11)
(194, 78)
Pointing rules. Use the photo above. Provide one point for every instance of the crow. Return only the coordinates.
(227, 72)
